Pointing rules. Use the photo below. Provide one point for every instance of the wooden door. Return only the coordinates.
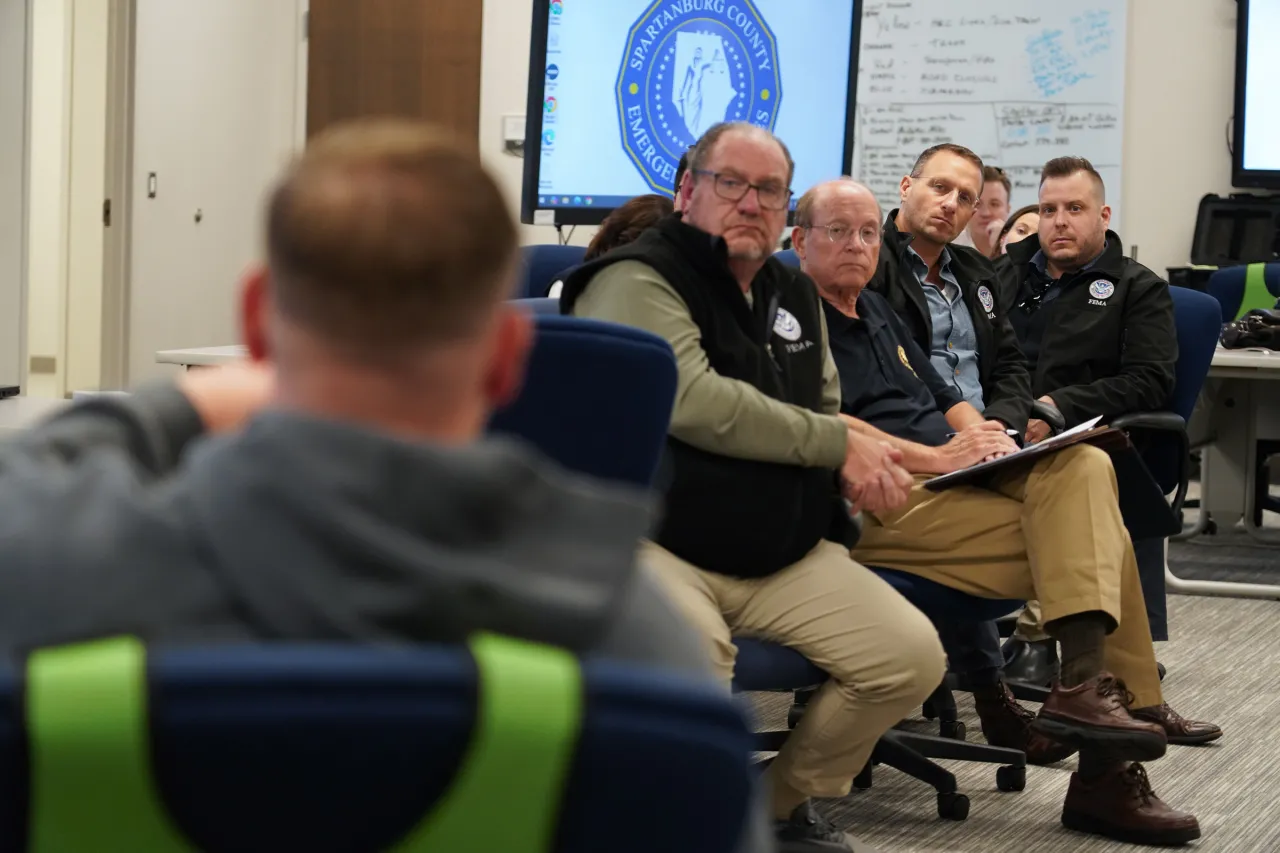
(414, 58)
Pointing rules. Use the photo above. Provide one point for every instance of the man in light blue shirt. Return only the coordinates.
(954, 348)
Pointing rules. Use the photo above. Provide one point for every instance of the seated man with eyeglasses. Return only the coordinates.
(1050, 529)
(754, 448)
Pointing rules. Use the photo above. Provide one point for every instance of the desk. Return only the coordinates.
(202, 356)
(18, 413)
(1242, 409)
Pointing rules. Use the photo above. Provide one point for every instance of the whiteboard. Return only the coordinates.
(1017, 81)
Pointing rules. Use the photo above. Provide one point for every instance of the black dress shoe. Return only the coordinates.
(806, 830)
(1031, 663)
(1160, 669)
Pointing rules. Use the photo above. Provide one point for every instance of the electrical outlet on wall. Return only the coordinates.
(513, 135)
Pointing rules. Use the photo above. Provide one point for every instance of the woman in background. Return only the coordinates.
(619, 228)
(1022, 224)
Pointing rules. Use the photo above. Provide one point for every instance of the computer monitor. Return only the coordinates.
(1256, 155)
(619, 90)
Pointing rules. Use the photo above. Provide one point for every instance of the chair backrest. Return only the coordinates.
(1197, 318)
(1261, 287)
(1227, 286)
(353, 748)
(544, 305)
(541, 265)
(597, 398)
(788, 257)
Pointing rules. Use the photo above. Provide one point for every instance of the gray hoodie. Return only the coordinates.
(116, 516)
(119, 516)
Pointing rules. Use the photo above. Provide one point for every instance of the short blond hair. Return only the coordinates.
(387, 233)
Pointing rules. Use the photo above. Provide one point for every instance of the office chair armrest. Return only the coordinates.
(1166, 422)
(1163, 421)
(1050, 415)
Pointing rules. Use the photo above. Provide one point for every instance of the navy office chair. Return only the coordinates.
(767, 666)
(543, 264)
(788, 257)
(597, 398)
(336, 749)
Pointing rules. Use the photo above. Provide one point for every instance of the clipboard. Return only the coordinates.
(1146, 513)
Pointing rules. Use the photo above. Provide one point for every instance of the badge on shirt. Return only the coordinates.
(985, 297)
(902, 354)
(786, 326)
(1101, 290)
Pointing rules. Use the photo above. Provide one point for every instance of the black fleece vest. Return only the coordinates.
(735, 516)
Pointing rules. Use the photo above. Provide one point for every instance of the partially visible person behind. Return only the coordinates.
(1020, 225)
(751, 541)
(337, 487)
(619, 228)
(989, 214)
(682, 169)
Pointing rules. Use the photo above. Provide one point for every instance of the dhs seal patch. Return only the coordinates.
(1102, 289)
(984, 297)
(687, 65)
(786, 326)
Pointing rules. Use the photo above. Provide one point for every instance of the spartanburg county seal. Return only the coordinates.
(687, 65)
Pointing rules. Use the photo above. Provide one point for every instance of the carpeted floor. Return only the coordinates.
(1224, 663)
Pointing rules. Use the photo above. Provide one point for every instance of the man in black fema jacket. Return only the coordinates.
(1098, 331)
(755, 444)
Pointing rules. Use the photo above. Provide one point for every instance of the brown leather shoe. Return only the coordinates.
(1121, 805)
(1177, 728)
(1006, 723)
(1095, 715)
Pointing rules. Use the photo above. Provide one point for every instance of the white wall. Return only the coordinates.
(48, 183)
(216, 86)
(13, 161)
(1179, 97)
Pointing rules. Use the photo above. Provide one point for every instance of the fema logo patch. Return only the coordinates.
(984, 297)
(1102, 289)
(687, 65)
(786, 326)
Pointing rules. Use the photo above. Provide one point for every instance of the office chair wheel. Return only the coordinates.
(1211, 527)
(1009, 778)
(953, 806)
(928, 711)
(952, 729)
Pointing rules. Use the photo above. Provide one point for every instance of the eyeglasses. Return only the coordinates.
(838, 232)
(732, 188)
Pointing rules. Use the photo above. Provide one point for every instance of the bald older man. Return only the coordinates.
(1052, 532)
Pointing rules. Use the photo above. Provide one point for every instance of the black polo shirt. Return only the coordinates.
(885, 378)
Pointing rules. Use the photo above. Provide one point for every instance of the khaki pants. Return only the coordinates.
(1031, 624)
(882, 654)
(1054, 534)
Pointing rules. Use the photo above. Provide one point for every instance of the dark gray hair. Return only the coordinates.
(701, 151)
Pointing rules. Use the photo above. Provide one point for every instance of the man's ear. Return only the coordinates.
(255, 313)
(903, 186)
(798, 242)
(513, 339)
(1106, 215)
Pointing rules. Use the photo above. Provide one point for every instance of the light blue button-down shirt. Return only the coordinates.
(954, 348)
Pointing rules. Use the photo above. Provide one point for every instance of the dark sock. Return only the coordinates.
(1095, 764)
(988, 678)
(1082, 636)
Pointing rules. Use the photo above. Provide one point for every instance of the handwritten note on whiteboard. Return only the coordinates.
(1018, 81)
